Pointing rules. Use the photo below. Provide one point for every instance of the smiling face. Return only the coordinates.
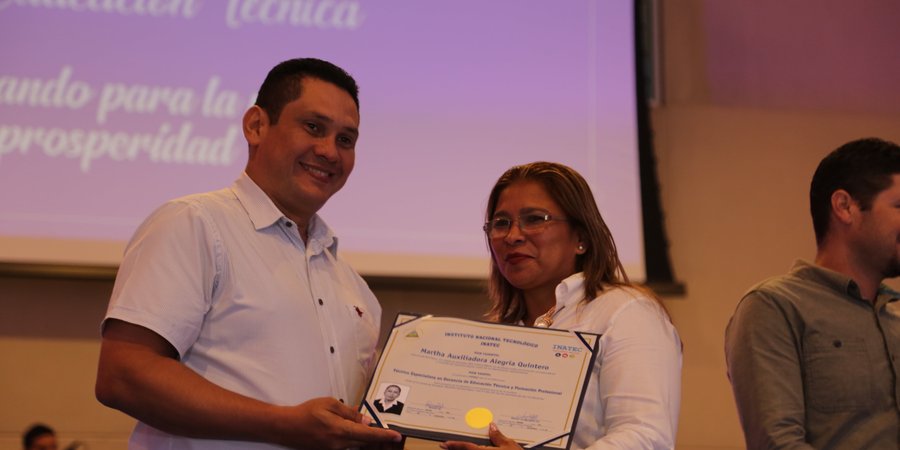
(534, 262)
(307, 156)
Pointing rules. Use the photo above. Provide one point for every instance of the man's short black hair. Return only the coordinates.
(863, 168)
(282, 84)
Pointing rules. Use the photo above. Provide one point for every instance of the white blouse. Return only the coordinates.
(633, 397)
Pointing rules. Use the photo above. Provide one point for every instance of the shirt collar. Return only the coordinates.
(570, 291)
(839, 282)
(263, 214)
(321, 236)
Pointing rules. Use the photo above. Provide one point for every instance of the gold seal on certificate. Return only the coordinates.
(443, 378)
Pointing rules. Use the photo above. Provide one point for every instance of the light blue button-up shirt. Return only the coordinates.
(225, 278)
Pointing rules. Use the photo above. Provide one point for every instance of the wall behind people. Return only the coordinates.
(756, 93)
(49, 342)
(742, 126)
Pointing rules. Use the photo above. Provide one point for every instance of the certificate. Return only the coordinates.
(443, 378)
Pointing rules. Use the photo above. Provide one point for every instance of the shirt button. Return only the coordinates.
(321, 302)
(288, 224)
(332, 349)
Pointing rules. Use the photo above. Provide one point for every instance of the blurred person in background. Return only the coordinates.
(39, 437)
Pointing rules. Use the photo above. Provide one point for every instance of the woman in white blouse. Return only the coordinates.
(555, 265)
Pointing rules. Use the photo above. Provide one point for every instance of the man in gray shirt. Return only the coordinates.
(812, 355)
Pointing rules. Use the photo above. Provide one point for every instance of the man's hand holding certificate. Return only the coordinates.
(443, 378)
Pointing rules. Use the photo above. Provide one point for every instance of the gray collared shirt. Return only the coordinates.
(813, 365)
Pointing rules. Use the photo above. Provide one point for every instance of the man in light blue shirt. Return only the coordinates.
(233, 322)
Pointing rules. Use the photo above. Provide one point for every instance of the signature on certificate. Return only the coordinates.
(526, 418)
(435, 406)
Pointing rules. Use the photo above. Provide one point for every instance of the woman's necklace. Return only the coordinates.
(546, 319)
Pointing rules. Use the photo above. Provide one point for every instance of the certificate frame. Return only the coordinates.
(446, 378)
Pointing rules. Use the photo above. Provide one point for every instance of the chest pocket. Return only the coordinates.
(837, 374)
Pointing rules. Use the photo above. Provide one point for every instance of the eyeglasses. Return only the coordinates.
(529, 223)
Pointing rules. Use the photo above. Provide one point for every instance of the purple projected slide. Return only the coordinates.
(110, 107)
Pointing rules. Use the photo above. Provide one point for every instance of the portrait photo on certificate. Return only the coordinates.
(444, 378)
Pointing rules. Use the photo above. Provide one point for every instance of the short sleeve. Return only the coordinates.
(168, 274)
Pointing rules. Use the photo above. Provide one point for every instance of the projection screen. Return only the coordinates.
(110, 107)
